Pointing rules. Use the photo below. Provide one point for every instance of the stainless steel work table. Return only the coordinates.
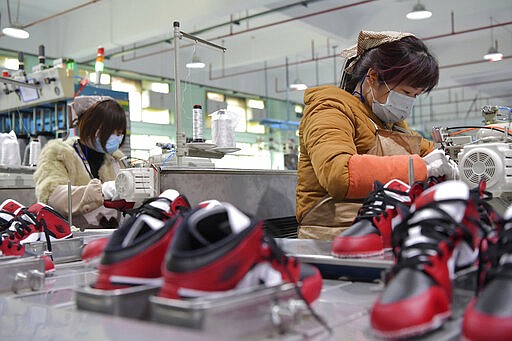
(51, 314)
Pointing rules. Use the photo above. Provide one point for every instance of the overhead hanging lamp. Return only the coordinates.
(196, 63)
(493, 55)
(418, 12)
(297, 84)
(15, 29)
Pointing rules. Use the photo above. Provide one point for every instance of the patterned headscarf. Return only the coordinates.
(81, 103)
(368, 40)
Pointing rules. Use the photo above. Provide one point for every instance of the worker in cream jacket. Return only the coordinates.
(90, 162)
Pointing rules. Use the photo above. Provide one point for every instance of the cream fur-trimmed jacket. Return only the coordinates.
(58, 163)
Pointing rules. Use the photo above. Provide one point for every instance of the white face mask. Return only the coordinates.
(397, 107)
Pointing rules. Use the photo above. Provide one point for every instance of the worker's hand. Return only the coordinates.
(438, 164)
(109, 190)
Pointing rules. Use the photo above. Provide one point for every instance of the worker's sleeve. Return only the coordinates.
(328, 138)
(365, 169)
(51, 178)
(84, 199)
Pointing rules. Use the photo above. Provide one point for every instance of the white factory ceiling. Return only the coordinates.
(261, 36)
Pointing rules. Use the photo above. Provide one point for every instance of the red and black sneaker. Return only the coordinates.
(439, 234)
(135, 252)
(217, 248)
(38, 222)
(370, 234)
(489, 314)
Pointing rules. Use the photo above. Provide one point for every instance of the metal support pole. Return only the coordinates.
(181, 147)
(180, 136)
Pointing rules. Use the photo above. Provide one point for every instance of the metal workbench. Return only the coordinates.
(51, 313)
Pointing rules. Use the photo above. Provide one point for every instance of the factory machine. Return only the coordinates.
(483, 152)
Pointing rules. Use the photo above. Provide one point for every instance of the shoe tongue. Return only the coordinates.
(142, 224)
(415, 237)
(398, 185)
(165, 205)
(448, 190)
(216, 221)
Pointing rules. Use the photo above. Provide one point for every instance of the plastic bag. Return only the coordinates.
(223, 128)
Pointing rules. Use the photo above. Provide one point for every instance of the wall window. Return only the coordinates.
(237, 106)
(133, 88)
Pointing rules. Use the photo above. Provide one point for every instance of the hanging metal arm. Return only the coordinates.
(181, 149)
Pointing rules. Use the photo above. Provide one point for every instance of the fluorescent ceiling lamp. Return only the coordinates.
(195, 63)
(493, 55)
(15, 32)
(418, 12)
(298, 85)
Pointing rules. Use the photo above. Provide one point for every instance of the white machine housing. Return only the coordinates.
(137, 184)
(53, 84)
(489, 161)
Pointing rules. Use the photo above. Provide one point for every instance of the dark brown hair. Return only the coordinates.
(101, 119)
(405, 61)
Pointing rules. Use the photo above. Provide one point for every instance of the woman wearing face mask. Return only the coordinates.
(355, 134)
(90, 162)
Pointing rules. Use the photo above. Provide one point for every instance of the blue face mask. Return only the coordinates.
(113, 143)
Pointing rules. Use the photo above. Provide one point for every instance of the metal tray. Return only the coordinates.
(264, 310)
(18, 273)
(318, 253)
(63, 251)
(130, 302)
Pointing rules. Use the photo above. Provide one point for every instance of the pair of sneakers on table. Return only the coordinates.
(439, 229)
(199, 251)
(20, 225)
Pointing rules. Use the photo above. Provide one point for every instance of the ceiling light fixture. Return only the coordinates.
(15, 30)
(196, 63)
(298, 85)
(493, 55)
(418, 12)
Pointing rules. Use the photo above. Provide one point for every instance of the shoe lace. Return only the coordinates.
(19, 226)
(5, 223)
(279, 255)
(378, 200)
(433, 231)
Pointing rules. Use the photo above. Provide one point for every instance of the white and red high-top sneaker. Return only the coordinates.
(489, 314)
(135, 252)
(441, 232)
(370, 234)
(37, 222)
(217, 248)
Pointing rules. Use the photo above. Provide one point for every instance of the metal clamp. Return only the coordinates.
(33, 279)
(285, 315)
